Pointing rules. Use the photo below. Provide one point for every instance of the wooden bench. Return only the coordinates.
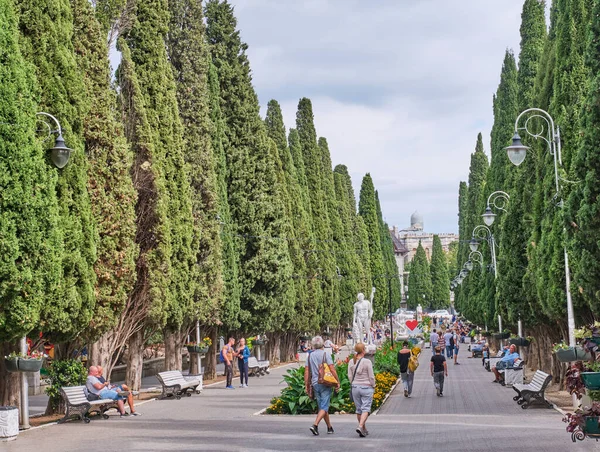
(533, 392)
(258, 368)
(78, 405)
(175, 384)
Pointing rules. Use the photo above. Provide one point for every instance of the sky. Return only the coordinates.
(400, 88)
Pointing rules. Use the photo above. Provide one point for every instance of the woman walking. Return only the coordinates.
(405, 373)
(321, 392)
(243, 353)
(362, 379)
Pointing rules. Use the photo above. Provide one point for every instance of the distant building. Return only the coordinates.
(407, 240)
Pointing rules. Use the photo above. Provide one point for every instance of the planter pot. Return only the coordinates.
(595, 340)
(347, 330)
(501, 336)
(197, 349)
(591, 380)
(12, 365)
(591, 425)
(486, 334)
(9, 423)
(304, 338)
(519, 342)
(259, 342)
(566, 355)
(29, 365)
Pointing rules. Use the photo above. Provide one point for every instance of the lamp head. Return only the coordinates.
(517, 151)
(474, 244)
(469, 265)
(60, 153)
(488, 216)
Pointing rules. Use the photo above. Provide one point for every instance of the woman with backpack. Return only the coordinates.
(362, 381)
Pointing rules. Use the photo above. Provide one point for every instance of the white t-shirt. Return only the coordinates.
(89, 384)
(434, 337)
(447, 337)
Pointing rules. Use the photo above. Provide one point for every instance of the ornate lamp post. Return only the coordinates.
(517, 153)
(498, 200)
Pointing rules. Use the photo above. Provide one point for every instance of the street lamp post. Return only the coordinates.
(484, 233)
(59, 155)
(516, 154)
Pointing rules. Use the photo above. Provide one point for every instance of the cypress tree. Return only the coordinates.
(109, 183)
(189, 57)
(515, 223)
(49, 26)
(336, 246)
(320, 263)
(506, 104)
(463, 245)
(420, 290)
(230, 303)
(300, 233)
(257, 209)
(585, 199)
(172, 292)
(392, 275)
(30, 237)
(367, 209)
(439, 275)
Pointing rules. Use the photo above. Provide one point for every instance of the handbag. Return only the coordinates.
(413, 363)
(352, 381)
(326, 377)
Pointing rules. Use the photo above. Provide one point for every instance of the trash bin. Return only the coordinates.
(9, 423)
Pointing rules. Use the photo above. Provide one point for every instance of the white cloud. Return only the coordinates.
(400, 88)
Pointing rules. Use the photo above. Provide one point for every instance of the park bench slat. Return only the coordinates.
(174, 384)
(257, 367)
(533, 391)
(79, 406)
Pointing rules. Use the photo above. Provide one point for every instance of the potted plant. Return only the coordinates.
(520, 341)
(566, 354)
(259, 340)
(502, 335)
(31, 363)
(584, 421)
(201, 347)
(486, 333)
(591, 376)
(12, 362)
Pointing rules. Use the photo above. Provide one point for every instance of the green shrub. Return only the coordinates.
(68, 372)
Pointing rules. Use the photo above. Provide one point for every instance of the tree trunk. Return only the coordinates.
(99, 354)
(10, 383)
(135, 361)
(275, 357)
(210, 369)
(172, 350)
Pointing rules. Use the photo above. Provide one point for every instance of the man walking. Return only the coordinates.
(438, 369)
(227, 354)
(448, 344)
(433, 338)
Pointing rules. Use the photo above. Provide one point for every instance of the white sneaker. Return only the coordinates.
(242, 386)
(245, 385)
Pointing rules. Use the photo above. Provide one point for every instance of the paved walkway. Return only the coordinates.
(473, 415)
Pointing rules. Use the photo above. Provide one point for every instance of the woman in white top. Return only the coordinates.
(362, 379)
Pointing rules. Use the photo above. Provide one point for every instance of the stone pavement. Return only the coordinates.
(473, 415)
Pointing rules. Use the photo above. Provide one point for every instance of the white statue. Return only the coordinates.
(363, 312)
(419, 313)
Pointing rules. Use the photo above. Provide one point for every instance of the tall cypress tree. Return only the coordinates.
(257, 209)
(300, 233)
(585, 198)
(515, 223)
(230, 304)
(30, 237)
(157, 87)
(49, 26)
(189, 57)
(367, 209)
(109, 183)
(463, 246)
(506, 104)
(321, 263)
(419, 280)
(439, 275)
(336, 246)
(392, 276)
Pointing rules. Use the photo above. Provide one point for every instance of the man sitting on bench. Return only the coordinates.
(507, 361)
(119, 388)
(101, 391)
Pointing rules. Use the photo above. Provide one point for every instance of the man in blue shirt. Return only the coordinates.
(507, 361)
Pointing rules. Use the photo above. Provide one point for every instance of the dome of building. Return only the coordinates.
(416, 221)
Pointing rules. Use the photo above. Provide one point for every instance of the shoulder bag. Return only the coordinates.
(352, 381)
(326, 377)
